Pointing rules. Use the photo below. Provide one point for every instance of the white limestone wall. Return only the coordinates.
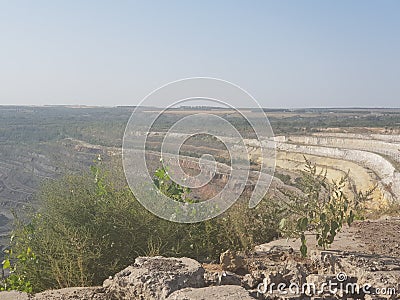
(339, 146)
(382, 168)
(393, 138)
(390, 149)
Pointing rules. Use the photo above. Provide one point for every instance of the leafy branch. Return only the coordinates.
(321, 209)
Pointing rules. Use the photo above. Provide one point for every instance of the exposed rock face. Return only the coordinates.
(155, 278)
(386, 148)
(390, 178)
(382, 137)
(212, 292)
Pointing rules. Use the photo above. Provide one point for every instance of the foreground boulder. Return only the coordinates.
(148, 278)
(81, 293)
(212, 292)
(14, 296)
(155, 278)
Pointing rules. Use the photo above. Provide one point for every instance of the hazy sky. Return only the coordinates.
(285, 53)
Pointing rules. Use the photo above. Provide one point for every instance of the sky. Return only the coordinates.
(286, 54)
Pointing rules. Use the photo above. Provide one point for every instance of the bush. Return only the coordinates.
(90, 226)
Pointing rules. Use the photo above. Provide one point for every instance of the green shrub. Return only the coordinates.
(322, 209)
(17, 280)
(90, 226)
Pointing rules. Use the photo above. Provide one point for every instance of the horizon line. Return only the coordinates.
(197, 107)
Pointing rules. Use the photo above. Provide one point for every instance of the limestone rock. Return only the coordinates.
(212, 292)
(155, 278)
(222, 278)
(271, 247)
(14, 296)
(229, 278)
(249, 282)
(81, 293)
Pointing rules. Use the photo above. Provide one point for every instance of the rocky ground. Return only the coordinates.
(363, 263)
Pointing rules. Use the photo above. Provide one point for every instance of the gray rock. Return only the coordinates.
(222, 278)
(212, 292)
(81, 293)
(271, 247)
(212, 278)
(14, 296)
(155, 278)
(229, 278)
(249, 282)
